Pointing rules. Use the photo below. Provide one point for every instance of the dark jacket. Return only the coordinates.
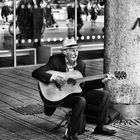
(57, 63)
(5, 11)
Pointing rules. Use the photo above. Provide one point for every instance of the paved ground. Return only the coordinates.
(22, 117)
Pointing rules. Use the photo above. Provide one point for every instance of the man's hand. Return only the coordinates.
(108, 77)
(59, 79)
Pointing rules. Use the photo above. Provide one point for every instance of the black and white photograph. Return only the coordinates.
(69, 69)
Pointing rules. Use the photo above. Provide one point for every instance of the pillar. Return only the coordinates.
(122, 53)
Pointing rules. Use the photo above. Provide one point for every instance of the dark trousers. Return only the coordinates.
(98, 105)
(78, 104)
(90, 102)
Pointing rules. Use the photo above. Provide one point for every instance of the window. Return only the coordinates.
(41, 25)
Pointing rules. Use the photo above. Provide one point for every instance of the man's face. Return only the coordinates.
(72, 54)
(48, 6)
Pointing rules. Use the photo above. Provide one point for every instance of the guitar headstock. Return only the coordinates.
(120, 74)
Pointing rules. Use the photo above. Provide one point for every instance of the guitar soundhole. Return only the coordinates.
(71, 81)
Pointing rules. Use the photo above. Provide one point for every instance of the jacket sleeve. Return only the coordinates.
(94, 84)
(82, 69)
(41, 72)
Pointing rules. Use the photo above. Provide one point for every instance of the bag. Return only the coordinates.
(92, 114)
(112, 115)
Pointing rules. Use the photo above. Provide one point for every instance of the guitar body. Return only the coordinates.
(57, 95)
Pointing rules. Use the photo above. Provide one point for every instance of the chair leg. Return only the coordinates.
(60, 124)
(66, 133)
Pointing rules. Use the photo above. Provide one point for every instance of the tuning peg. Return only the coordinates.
(120, 74)
(124, 75)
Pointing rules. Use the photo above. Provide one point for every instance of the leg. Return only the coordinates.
(100, 101)
(77, 103)
(104, 107)
(6, 18)
(79, 26)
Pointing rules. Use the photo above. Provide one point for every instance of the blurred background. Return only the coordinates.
(31, 30)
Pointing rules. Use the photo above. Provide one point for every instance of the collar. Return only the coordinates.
(70, 65)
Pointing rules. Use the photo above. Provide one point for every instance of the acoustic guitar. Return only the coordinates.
(55, 95)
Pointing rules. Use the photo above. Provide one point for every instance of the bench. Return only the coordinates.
(19, 52)
(27, 51)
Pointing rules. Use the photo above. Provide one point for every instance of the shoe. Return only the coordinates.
(72, 137)
(104, 131)
(56, 26)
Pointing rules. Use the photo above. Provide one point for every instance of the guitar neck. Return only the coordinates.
(90, 78)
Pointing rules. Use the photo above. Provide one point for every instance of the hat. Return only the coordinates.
(69, 43)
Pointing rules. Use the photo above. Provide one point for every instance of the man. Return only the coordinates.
(38, 21)
(68, 61)
(25, 19)
(71, 13)
(79, 20)
(5, 12)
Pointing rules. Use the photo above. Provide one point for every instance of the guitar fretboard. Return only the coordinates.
(90, 78)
